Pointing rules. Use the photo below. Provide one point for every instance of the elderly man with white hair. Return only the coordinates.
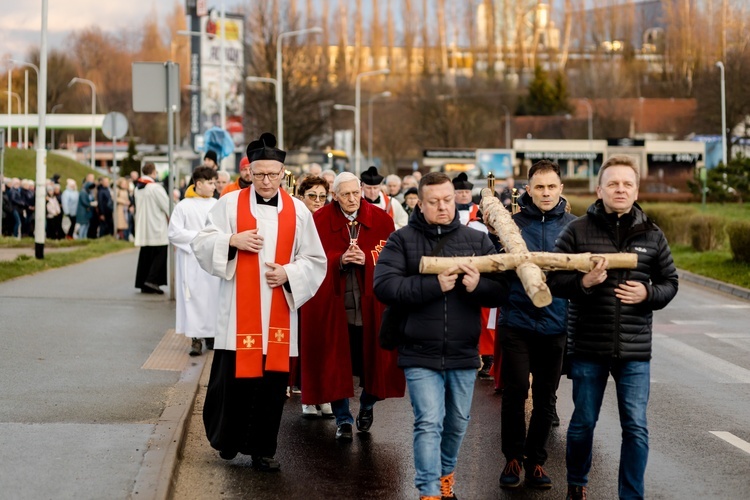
(340, 324)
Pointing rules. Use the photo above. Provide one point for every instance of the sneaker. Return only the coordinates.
(576, 492)
(537, 478)
(228, 454)
(511, 476)
(446, 487)
(428, 497)
(555, 418)
(266, 464)
(344, 432)
(309, 411)
(196, 347)
(326, 411)
(296, 390)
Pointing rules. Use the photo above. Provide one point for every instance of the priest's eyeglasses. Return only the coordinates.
(271, 176)
(319, 197)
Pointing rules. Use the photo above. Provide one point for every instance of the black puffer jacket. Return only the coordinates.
(599, 325)
(442, 328)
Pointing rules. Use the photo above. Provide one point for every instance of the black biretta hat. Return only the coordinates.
(265, 148)
(461, 182)
(371, 177)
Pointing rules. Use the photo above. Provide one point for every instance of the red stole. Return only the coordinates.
(473, 211)
(388, 207)
(249, 305)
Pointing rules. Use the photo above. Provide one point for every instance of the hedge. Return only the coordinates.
(739, 240)
(706, 232)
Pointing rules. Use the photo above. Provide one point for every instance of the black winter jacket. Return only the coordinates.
(442, 328)
(599, 325)
(539, 230)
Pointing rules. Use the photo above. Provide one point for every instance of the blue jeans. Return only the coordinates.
(632, 382)
(341, 410)
(441, 401)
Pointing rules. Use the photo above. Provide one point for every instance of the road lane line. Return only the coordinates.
(728, 335)
(709, 365)
(733, 440)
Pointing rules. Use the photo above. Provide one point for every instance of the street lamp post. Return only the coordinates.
(18, 108)
(347, 107)
(357, 105)
(26, 91)
(372, 99)
(52, 111)
(93, 114)
(507, 126)
(280, 84)
(591, 142)
(723, 115)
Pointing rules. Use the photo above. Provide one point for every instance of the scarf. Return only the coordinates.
(249, 304)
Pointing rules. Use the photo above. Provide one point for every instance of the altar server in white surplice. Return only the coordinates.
(263, 244)
(196, 291)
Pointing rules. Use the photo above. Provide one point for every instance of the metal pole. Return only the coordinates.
(280, 84)
(54, 108)
(93, 126)
(25, 109)
(2, 175)
(170, 183)
(723, 115)
(357, 105)
(222, 83)
(114, 186)
(591, 142)
(10, 131)
(41, 146)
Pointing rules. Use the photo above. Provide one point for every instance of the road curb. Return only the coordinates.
(155, 479)
(736, 291)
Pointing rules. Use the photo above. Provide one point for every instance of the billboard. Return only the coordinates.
(210, 74)
(497, 161)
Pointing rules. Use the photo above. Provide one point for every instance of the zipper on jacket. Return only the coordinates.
(445, 315)
(616, 325)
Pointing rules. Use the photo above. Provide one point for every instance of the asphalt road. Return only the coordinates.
(699, 419)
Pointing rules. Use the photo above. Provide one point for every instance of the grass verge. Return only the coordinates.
(717, 264)
(85, 249)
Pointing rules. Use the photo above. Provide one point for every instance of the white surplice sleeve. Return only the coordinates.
(179, 235)
(308, 269)
(211, 244)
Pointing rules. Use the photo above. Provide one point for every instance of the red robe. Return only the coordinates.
(324, 334)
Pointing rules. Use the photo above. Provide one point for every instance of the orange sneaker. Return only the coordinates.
(446, 487)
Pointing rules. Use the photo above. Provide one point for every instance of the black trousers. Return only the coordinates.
(152, 266)
(243, 414)
(527, 352)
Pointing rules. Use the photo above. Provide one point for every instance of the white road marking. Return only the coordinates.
(733, 440)
(692, 322)
(709, 365)
(728, 335)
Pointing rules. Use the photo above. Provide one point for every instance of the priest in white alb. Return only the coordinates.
(263, 244)
(196, 291)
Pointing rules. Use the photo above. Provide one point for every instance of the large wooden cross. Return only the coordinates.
(529, 266)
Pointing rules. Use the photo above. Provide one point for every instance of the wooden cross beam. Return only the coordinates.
(528, 265)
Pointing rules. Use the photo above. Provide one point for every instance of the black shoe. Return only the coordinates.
(484, 373)
(537, 478)
(196, 347)
(576, 492)
(555, 418)
(344, 432)
(153, 288)
(266, 464)
(511, 476)
(364, 420)
(209, 344)
(228, 454)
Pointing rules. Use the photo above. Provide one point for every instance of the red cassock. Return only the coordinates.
(325, 359)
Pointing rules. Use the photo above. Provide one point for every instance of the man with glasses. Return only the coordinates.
(264, 245)
(340, 324)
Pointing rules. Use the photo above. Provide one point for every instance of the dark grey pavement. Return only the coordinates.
(699, 420)
(79, 416)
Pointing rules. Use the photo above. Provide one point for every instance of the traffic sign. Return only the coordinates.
(115, 125)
